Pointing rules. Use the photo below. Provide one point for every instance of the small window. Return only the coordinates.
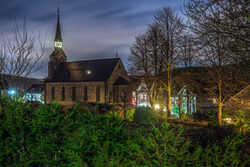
(63, 93)
(85, 93)
(74, 94)
(52, 93)
(98, 94)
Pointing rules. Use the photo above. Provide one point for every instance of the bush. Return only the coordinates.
(242, 121)
(130, 114)
(48, 136)
(144, 115)
(211, 116)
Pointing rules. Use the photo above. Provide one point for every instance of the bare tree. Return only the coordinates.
(21, 54)
(144, 60)
(217, 28)
(172, 29)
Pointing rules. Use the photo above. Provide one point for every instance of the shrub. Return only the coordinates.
(211, 116)
(130, 114)
(242, 121)
(144, 115)
(48, 136)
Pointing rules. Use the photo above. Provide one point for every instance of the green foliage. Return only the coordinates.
(144, 115)
(129, 114)
(211, 116)
(242, 121)
(49, 136)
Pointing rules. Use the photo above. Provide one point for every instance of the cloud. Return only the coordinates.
(90, 28)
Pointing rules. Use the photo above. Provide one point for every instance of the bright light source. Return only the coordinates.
(157, 106)
(228, 120)
(58, 44)
(12, 92)
(88, 72)
(164, 109)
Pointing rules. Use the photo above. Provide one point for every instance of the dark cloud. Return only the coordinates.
(90, 28)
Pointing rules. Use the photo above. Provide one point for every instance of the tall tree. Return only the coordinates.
(145, 60)
(215, 25)
(172, 28)
(21, 53)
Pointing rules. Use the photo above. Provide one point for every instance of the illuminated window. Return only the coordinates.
(63, 93)
(98, 94)
(73, 93)
(52, 93)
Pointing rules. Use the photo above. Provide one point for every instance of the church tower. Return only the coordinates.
(57, 56)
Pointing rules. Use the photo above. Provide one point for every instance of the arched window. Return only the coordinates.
(53, 93)
(63, 93)
(85, 93)
(73, 93)
(98, 94)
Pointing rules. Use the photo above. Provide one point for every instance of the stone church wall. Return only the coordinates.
(91, 87)
(119, 70)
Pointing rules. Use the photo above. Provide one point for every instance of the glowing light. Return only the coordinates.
(164, 109)
(12, 92)
(88, 72)
(228, 120)
(58, 44)
(157, 106)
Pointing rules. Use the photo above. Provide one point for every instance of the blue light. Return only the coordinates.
(12, 92)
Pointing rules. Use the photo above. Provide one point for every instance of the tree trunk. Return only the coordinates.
(220, 107)
(169, 101)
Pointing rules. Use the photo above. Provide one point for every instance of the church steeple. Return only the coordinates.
(57, 56)
(58, 36)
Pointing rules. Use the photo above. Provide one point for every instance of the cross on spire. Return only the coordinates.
(58, 36)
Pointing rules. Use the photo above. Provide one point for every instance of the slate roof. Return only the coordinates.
(57, 52)
(88, 70)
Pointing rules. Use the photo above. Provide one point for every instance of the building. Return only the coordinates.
(35, 93)
(17, 85)
(101, 80)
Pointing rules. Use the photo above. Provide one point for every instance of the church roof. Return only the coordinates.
(56, 52)
(88, 70)
(58, 36)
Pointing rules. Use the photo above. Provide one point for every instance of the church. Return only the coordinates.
(97, 81)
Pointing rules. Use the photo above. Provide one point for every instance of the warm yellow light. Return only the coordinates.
(157, 106)
(88, 72)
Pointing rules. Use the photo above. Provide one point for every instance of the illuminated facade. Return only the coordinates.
(101, 80)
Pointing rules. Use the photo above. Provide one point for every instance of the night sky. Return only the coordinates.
(91, 29)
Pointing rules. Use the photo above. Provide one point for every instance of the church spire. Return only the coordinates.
(58, 36)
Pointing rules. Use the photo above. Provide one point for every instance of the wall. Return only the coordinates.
(119, 70)
(79, 91)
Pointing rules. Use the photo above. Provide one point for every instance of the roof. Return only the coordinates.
(18, 82)
(58, 36)
(89, 70)
(35, 88)
(57, 51)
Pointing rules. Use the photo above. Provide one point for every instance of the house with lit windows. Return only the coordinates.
(100, 80)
